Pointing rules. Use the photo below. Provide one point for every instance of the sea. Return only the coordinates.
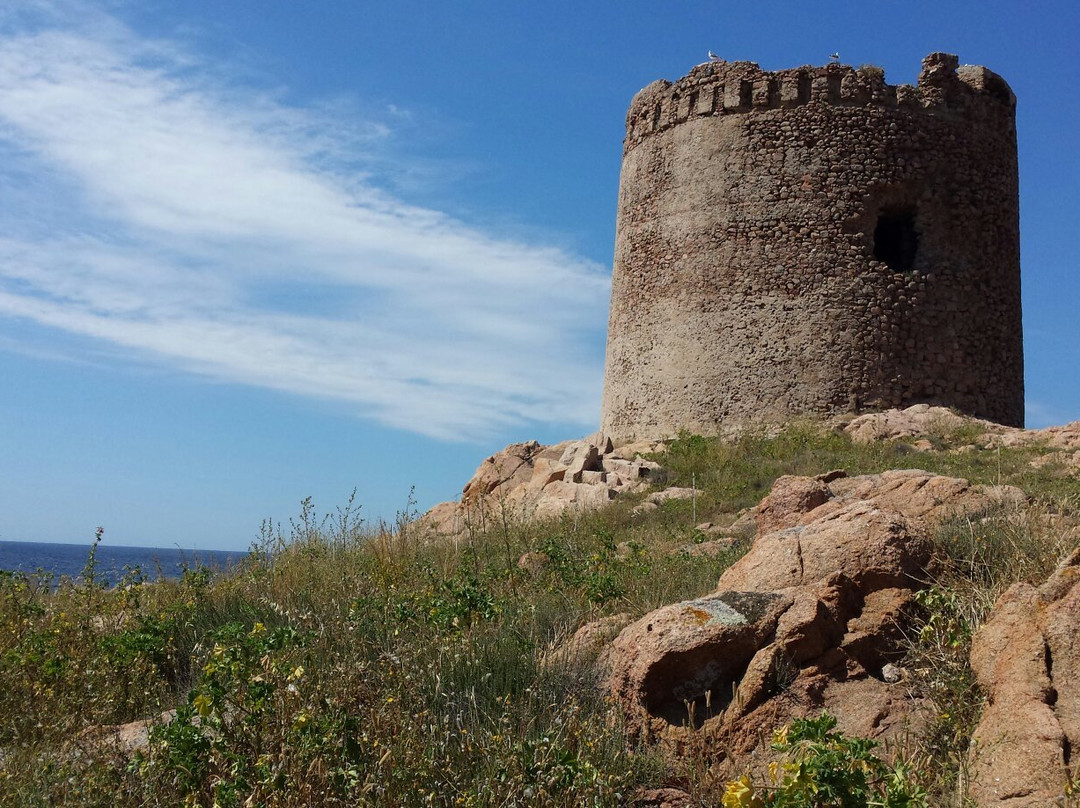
(111, 564)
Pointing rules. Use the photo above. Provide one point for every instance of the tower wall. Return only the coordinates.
(815, 240)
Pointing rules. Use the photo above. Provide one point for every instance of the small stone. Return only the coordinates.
(672, 493)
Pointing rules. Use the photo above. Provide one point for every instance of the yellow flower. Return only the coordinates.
(740, 794)
(257, 629)
(298, 672)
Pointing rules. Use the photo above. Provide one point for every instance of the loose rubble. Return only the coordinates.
(529, 480)
(923, 422)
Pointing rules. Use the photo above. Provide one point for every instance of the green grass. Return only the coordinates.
(342, 664)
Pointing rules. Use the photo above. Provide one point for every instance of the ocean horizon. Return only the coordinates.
(112, 563)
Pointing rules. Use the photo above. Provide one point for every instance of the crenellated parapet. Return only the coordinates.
(730, 88)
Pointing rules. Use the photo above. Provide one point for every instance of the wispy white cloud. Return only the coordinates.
(153, 208)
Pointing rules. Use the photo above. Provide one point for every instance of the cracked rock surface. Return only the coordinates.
(808, 620)
(1027, 660)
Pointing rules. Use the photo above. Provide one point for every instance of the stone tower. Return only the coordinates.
(815, 240)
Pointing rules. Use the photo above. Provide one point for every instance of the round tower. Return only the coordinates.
(815, 240)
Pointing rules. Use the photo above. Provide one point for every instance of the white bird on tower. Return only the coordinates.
(713, 57)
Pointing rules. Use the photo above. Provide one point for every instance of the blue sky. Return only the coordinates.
(259, 250)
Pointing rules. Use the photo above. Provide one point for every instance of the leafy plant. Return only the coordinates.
(821, 768)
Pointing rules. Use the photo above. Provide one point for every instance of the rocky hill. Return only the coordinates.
(731, 621)
(821, 612)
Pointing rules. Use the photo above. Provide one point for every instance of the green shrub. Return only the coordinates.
(821, 768)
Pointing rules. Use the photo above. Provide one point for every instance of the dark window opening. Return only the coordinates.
(895, 240)
(746, 94)
(804, 89)
(834, 87)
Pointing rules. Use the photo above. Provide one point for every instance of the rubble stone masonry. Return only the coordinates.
(815, 240)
